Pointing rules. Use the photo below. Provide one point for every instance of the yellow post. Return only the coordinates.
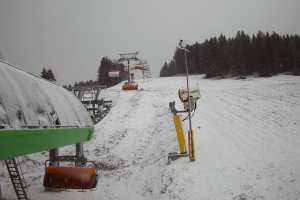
(179, 133)
(191, 146)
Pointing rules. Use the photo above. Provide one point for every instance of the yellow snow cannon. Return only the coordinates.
(183, 96)
(194, 95)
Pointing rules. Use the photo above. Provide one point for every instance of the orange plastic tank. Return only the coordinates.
(70, 177)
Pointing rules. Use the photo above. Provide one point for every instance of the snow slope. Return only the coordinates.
(247, 139)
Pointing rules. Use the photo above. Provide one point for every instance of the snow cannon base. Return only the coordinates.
(70, 177)
(174, 156)
(130, 86)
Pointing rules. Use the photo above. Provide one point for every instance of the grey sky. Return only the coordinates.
(73, 35)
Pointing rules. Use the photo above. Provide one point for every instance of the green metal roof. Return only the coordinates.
(37, 115)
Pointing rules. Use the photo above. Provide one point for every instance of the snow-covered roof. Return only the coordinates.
(29, 101)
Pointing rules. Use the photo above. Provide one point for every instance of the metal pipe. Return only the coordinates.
(79, 154)
(188, 89)
(0, 193)
(128, 70)
(53, 154)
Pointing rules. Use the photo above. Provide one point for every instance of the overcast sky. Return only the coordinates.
(71, 36)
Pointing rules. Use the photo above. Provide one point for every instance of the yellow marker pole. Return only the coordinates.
(179, 133)
(191, 145)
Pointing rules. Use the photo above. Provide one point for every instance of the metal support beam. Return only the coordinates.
(127, 57)
(190, 133)
(79, 154)
(188, 89)
(0, 193)
(53, 154)
(128, 68)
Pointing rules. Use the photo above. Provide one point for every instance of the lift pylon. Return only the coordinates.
(127, 57)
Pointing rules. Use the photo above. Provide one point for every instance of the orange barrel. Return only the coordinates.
(70, 177)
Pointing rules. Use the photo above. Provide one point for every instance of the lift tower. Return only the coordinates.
(127, 57)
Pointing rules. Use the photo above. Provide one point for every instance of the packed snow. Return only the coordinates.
(247, 144)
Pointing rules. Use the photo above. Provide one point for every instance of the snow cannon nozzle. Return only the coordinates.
(194, 97)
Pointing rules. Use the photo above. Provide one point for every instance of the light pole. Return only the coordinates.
(182, 45)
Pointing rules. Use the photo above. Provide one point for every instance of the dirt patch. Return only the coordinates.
(111, 163)
(106, 166)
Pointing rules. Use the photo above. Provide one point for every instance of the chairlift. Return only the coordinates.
(130, 86)
(83, 176)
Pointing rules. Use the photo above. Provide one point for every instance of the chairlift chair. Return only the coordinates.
(130, 86)
(82, 176)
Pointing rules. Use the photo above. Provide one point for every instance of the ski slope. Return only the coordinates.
(247, 144)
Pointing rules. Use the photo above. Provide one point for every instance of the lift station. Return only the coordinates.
(37, 115)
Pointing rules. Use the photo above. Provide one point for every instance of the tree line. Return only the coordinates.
(103, 78)
(263, 54)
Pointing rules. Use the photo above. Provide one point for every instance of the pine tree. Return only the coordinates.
(48, 74)
(163, 70)
(51, 75)
(106, 65)
(45, 74)
(103, 71)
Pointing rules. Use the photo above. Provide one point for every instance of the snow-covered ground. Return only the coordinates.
(247, 141)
